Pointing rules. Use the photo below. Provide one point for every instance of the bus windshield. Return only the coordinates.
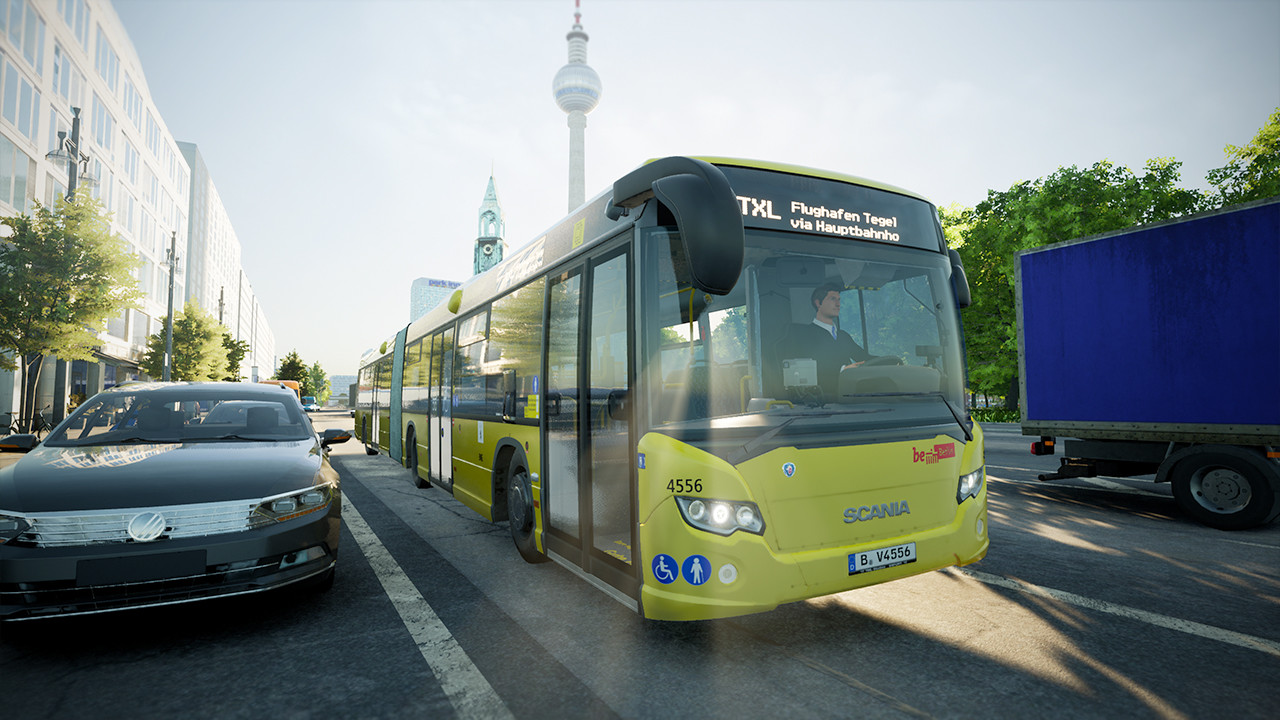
(888, 353)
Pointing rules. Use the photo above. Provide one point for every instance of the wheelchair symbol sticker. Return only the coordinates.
(665, 569)
(696, 569)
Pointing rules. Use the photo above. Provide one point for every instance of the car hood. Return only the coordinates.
(145, 475)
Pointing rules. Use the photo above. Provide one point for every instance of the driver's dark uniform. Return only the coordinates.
(829, 352)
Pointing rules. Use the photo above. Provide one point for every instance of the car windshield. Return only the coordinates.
(887, 354)
(168, 414)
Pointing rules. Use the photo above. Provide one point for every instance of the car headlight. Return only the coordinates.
(11, 526)
(969, 485)
(288, 506)
(722, 517)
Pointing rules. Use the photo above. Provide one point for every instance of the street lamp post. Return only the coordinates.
(168, 336)
(69, 150)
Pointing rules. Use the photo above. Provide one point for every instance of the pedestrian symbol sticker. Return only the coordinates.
(696, 569)
(664, 569)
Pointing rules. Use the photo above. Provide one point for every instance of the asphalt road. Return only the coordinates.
(1097, 599)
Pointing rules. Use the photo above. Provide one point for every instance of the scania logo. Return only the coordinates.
(864, 513)
(146, 526)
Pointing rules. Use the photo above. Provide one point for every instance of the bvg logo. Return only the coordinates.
(941, 451)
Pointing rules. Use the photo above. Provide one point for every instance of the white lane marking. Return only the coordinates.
(1097, 482)
(466, 687)
(1261, 545)
(1109, 485)
(1270, 647)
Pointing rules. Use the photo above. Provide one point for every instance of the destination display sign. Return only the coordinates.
(781, 201)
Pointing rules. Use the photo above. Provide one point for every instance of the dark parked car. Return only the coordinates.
(154, 494)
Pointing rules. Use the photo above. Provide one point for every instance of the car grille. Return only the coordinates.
(98, 527)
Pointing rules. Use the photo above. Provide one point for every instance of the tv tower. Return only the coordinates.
(577, 91)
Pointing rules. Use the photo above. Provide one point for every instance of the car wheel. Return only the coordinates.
(520, 512)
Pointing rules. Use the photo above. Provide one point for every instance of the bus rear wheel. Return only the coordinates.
(418, 480)
(364, 437)
(520, 512)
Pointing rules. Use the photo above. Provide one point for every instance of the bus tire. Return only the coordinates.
(1225, 487)
(520, 511)
(412, 458)
(364, 437)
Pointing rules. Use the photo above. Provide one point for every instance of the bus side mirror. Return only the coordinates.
(959, 280)
(619, 405)
(706, 210)
(508, 388)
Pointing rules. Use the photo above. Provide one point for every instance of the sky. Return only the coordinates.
(351, 141)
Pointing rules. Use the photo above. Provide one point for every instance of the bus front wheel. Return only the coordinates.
(520, 512)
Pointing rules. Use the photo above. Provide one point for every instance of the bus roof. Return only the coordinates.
(808, 172)
(579, 230)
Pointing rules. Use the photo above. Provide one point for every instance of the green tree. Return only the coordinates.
(956, 222)
(1252, 172)
(317, 383)
(198, 351)
(1070, 203)
(236, 350)
(292, 368)
(62, 274)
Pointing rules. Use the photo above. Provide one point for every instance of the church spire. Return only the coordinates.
(491, 228)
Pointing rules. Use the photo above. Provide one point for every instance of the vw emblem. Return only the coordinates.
(146, 526)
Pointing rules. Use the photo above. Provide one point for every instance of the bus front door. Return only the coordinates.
(589, 496)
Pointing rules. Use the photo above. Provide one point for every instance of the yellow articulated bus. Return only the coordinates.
(721, 386)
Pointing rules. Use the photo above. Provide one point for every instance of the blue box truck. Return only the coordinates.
(1156, 350)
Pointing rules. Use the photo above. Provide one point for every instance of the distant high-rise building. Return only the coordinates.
(577, 91)
(426, 293)
(215, 278)
(490, 245)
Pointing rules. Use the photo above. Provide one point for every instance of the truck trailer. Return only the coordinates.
(1156, 350)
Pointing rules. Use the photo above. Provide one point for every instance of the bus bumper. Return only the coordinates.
(741, 574)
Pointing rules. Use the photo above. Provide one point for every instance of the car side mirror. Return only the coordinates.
(22, 442)
(334, 436)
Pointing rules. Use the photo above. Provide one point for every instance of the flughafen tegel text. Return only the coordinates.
(822, 215)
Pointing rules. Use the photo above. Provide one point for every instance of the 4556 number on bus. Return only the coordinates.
(678, 485)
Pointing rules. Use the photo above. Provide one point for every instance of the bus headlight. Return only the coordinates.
(722, 517)
(969, 485)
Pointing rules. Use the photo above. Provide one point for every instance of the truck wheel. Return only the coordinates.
(1226, 488)
(520, 512)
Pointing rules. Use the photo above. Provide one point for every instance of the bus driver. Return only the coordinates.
(830, 347)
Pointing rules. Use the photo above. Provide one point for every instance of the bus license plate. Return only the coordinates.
(882, 558)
